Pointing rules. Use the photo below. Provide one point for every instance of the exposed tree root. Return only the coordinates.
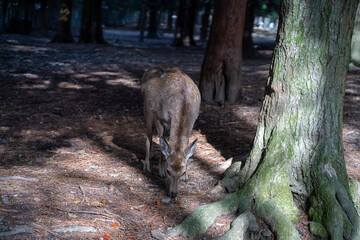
(239, 227)
(203, 217)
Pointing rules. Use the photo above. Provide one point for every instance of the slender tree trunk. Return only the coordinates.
(192, 14)
(297, 160)
(142, 22)
(248, 44)
(63, 32)
(43, 17)
(153, 21)
(170, 20)
(221, 70)
(355, 43)
(205, 21)
(4, 14)
(91, 22)
(180, 24)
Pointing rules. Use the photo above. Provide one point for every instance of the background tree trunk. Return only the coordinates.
(192, 14)
(297, 159)
(153, 21)
(63, 32)
(43, 17)
(4, 14)
(221, 70)
(91, 22)
(205, 21)
(248, 44)
(355, 43)
(180, 24)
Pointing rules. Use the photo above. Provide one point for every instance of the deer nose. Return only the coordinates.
(173, 195)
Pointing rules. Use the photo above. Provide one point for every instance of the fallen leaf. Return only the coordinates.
(152, 225)
(131, 188)
(105, 237)
(158, 202)
(77, 201)
(72, 215)
(115, 224)
(192, 204)
(104, 201)
(96, 204)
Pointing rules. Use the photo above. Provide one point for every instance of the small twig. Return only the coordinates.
(19, 178)
(76, 211)
(8, 210)
(38, 226)
(83, 193)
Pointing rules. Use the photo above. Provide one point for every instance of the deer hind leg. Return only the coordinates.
(149, 134)
(160, 130)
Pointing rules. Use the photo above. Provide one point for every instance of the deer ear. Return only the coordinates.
(164, 147)
(189, 151)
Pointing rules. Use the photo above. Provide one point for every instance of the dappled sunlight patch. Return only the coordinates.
(80, 75)
(68, 85)
(43, 85)
(104, 73)
(122, 81)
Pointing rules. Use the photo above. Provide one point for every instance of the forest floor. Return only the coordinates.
(72, 135)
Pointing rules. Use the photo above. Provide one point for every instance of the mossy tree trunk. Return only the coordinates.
(63, 32)
(297, 160)
(355, 43)
(91, 22)
(220, 79)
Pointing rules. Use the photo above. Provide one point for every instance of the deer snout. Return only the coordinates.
(173, 195)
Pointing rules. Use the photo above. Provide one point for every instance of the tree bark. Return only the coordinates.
(91, 22)
(221, 70)
(63, 32)
(355, 43)
(297, 159)
(205, 21)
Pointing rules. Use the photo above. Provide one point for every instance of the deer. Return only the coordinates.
(171, 106)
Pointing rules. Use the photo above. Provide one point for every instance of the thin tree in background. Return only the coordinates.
(180, 24)
(4, 6)
(355, 43)
(63, 32)
(91, 22)
(191, 20)
(220, 80)
(205, 21)
(153, 30)
(297, 160)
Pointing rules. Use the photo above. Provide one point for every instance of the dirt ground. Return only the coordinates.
(72, 128)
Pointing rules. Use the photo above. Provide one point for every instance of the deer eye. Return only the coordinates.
(183, 174)
(168, 172)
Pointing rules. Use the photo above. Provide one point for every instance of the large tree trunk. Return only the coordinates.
(63, 32)
(297, 160)
(221, 70)
(91, 22)
(355, 43)
(205, 21)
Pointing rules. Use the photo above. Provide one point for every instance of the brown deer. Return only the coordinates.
(171, 105)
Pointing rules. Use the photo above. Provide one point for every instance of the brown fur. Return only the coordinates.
(171, 103)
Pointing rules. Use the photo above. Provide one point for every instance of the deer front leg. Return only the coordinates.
(160, 130)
